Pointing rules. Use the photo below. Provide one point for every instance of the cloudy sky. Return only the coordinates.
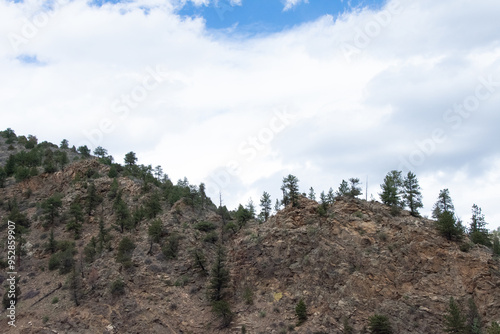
(240, 93)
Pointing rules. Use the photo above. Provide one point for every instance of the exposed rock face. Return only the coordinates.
(356, 261)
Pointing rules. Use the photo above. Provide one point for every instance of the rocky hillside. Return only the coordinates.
(356, 261)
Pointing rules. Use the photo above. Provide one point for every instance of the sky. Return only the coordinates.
(239, 93)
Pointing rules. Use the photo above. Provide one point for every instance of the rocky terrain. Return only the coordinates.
(355, 262)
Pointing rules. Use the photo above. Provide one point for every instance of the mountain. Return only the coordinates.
(107, 270)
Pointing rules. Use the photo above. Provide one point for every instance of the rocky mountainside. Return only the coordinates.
(356, 261)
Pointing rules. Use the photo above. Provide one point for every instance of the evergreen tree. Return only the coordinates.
(443, 204)
(93, 199)
(51, 208)
(449, 226)
(312, 195)
(219, 276)
(291, 186)
(155, 232)
(496, 245)
(222, 309)
(343, 190)
(100, 152)
(379, 324)
(153, 205)
(265, 204)
(355, 189)
(125, 249)
(330, 197)
(61, 158)
(301, 312)
(84, 151)
(391, 189)
(130, 159)
(412, 195)
(477, 229)
(277, 205)
(473, 320)
(64, 144)
(51, 244)
(454, 320)
(75, 225)
(3, 177)
(323, 207)
(123, 219)
(242, 215)
(251, 208)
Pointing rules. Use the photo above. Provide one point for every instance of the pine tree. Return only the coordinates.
(330, 197)
(51, 208)
(265, 204)
(291, 186)
(473, 321)
(443, 204)
(496, 246)
(301, 312)
(242, 215)
(312, 195)
(477, 229)
(454, 320)
(449, 226)
(130, 159)
(355, 189)
(412, 195)
(391, 189)
(64, 144)
(343, 189)
(93, 199)
(220, 276)
(123, 218)
(277, 205)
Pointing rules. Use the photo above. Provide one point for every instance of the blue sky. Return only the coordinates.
(265, 16)
(238, 99)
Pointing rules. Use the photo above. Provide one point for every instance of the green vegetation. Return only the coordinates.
(454, 320)
(265, 204)
(379, 324)
(117, 287)
(477, 228)
(171, 247)
(125, 249)
(412, 196)
(301, 312)
(290, 189)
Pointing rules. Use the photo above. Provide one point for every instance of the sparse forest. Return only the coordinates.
(114, 231)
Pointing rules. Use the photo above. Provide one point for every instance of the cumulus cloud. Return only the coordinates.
(367, 90)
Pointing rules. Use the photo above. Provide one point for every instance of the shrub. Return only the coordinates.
(379, 324)
(248, 296)
(211, 237)
(117, 288)
(55, 300)
(465, 247)
(205, 226)
(63, 261)
(494, 329)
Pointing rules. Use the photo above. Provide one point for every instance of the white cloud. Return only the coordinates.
(289, 4)
(217, 93)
